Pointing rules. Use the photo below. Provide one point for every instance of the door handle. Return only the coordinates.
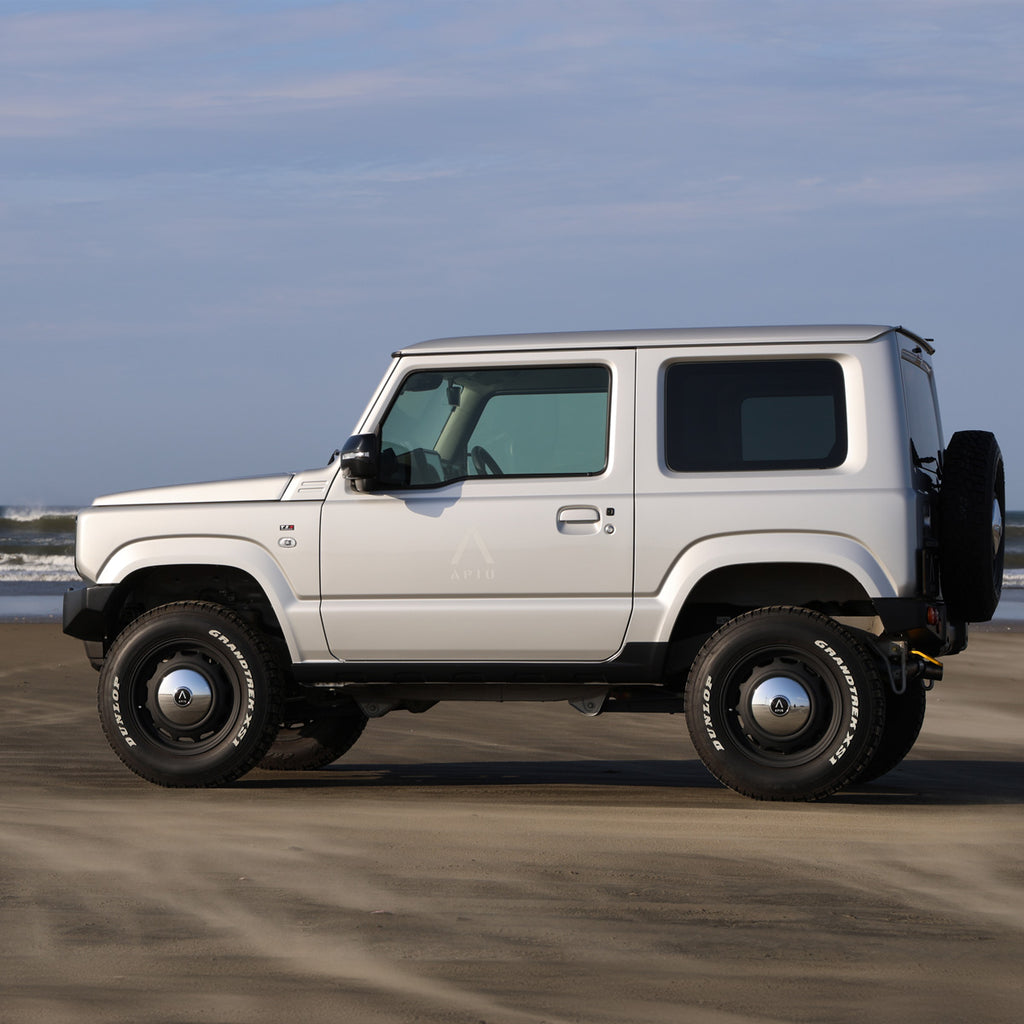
(579, 514)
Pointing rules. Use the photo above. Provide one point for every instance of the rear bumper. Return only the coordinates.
(925, 623)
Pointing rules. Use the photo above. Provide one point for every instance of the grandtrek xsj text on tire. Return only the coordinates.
(189, 695)
(784, 704)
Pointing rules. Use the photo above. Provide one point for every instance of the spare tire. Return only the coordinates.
(972, 536)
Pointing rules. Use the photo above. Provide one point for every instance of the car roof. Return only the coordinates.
(660, 338)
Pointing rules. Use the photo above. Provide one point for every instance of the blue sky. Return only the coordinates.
(218, 219)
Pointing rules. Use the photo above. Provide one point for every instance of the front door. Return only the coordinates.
(501, 525)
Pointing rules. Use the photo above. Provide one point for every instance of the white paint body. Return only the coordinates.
(544, 569)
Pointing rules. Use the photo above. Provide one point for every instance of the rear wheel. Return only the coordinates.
(784, 704)
(904, 716)
(312, 737)
(189, 695)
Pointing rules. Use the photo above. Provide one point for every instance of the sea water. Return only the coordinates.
(37, 563)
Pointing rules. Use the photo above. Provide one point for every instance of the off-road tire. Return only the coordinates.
(784, 704)
(904, 716)
(972, 532)
(190, 695)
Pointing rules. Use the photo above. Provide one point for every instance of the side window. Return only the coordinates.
(922, 411)
(410, 432)
(503, 421)
(545, 432)
(756, 415)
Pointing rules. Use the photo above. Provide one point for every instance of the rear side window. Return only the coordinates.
(762, 415)
(922, 411)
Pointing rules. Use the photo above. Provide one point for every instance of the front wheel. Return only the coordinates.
(784, 704)
(189, 695)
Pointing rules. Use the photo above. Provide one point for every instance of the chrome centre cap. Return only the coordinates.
(184, 696)
(780, 706)
(997, 526)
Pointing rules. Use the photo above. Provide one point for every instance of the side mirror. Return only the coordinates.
(360, 457)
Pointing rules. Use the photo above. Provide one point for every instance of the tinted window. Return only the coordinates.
(730, 416)
(545, 432)
(508, 421)
(921, 409)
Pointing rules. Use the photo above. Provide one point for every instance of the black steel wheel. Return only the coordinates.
(189, 695)
(784, 704)
(972, 525)
(312, 737)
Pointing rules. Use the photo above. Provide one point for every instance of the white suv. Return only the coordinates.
(759, 527)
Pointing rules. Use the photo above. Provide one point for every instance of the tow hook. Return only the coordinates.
(921, 666)
(905, 665)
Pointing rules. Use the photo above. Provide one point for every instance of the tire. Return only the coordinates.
(904, 716)
(784, 704)
(312, 737)
(972, 518)
(189, 696)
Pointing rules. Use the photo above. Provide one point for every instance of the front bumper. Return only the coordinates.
(84, 612)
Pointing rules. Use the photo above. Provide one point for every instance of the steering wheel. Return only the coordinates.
(483, 462)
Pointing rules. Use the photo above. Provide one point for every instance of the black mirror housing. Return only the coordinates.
(360, 457)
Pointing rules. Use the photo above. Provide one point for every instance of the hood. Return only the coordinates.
(261, 488)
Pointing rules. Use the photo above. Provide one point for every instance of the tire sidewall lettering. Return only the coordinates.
(852, 692)
(709, 725)
(115, 706)
(243, 664)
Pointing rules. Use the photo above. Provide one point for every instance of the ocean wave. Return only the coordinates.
(30, 568)
(29, 513)
(13, 549)
(1013, 579)
(41, 520)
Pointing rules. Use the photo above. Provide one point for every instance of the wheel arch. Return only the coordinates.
(740, 572)
(237, 574)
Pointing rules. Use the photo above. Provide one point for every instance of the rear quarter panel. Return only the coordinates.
(860, 517)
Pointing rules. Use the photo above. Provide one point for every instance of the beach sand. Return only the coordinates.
(508, 864)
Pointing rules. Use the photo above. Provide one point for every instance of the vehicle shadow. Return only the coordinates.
(943, 782)
(507, 774)
(916, 782)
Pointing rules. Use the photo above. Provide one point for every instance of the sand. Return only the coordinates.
(508, 864)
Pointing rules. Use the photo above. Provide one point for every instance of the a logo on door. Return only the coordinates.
(472, 561)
